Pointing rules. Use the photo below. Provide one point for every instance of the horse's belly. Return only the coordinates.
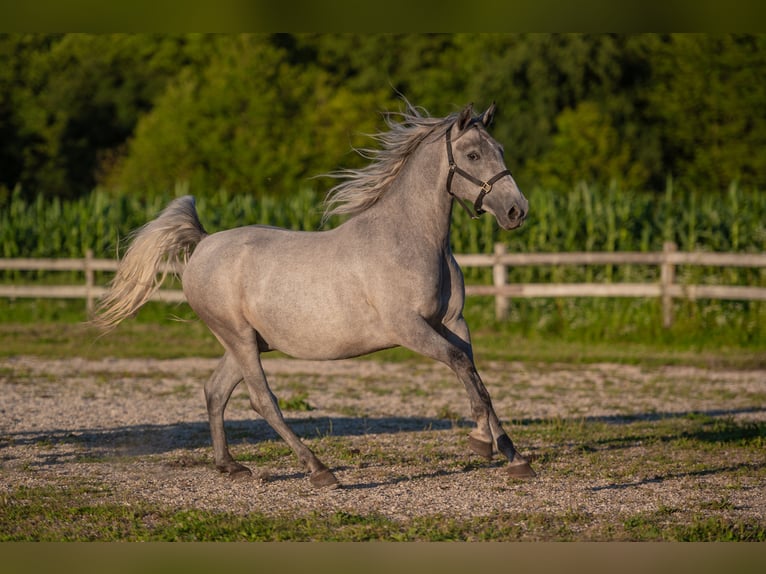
(324, 350)
(310, 339)
(315, 323)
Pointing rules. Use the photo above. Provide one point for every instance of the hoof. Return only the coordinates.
(240, 473)
(263, 476)
(520, 470)
(323, 478)
(235, 470)
(483, 449)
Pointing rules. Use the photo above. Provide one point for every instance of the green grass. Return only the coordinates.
(165, 339)
(41, 515)
(722, 332)
(174, 340)
(58, 328)
(295, 402)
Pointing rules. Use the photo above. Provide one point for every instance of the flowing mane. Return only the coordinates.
(363, 187)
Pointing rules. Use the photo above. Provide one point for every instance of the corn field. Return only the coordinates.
(586, 219)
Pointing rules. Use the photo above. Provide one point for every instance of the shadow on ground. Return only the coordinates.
(152, 439)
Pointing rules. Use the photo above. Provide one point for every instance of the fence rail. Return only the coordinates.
(666, 289)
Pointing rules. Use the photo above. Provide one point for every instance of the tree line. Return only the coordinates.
(263, 113)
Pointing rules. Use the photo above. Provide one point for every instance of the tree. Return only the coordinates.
(16, 136)
(249, 122)
(709, 100)
(587, 147)
(535, 77)
(75, 99)
(267, 111)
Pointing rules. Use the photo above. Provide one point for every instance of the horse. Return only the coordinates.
(385, 277)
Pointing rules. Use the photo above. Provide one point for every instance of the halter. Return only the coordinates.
(485, 186)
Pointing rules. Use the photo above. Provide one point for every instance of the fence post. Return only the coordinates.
(667, 278)
(500, 279)
(89, 281)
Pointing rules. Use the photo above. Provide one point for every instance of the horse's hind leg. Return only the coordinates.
(218, 389)
(265, 403)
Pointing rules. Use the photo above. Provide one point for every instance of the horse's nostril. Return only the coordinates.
(516, 213)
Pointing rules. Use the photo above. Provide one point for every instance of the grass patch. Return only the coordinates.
(296, 402)
(131, 340)
(625, 453)
(85, 514)
(654, 527)
(266, 452)
(172, 339)
(55, 329)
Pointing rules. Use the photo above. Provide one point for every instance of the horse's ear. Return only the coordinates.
(465, 117)
(489, 115)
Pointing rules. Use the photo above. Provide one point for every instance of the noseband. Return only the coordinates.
(485, 186)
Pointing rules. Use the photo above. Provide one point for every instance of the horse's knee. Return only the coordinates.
(460, 360)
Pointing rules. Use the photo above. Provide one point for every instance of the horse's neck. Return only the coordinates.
(417, 205)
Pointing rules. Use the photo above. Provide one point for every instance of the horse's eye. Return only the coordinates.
(473, 156)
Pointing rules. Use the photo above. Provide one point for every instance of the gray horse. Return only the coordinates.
(386, 277)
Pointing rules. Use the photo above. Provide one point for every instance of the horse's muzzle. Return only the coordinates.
(514, 218)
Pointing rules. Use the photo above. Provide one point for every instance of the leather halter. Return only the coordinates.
(485, 186)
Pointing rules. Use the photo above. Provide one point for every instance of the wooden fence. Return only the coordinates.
(666, 288)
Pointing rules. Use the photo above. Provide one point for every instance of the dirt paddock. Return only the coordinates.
(395, 434)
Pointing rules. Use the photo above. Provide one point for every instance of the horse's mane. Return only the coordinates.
(363, 187)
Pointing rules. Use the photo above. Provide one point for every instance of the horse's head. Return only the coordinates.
(482, 177)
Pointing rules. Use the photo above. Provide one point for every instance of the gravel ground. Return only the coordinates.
(394, 433)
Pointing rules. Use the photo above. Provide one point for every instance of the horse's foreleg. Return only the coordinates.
(453, 348)
(218, 389)
(480, 438)
(487, 420)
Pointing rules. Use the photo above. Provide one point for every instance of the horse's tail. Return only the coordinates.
(165, 242)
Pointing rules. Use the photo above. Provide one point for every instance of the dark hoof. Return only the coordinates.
(520, 470)
(483, 449)
(262, 476)
(240, 474)
(235, 470)
(323, 478)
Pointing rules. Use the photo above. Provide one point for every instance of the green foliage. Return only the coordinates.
(68, 103)
(249, 123)
(586, 218)
(587, 148)
(263, 113)
(609, 218)
(706, 101)
(535, 77)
